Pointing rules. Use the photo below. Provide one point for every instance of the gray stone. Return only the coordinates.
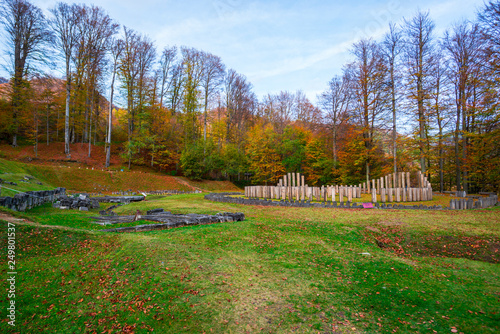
(83, 208)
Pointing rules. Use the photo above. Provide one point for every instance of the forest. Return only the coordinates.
(412, 100)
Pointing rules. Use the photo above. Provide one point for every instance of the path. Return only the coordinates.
(23, 221)
(181, 181)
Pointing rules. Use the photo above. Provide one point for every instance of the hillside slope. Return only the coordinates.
(85, 179)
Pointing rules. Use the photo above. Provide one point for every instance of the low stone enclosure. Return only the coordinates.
(167, 220)
(459, 204)
(30, 199)
(149, 192)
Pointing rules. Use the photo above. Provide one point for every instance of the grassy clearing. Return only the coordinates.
(283, 270)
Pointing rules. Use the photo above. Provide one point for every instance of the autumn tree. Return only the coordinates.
(192, 66)
(27, 39)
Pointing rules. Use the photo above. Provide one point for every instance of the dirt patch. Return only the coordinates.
(393, 239)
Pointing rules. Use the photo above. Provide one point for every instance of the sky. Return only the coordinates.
(278, 45)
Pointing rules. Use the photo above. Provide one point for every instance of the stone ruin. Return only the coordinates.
(30, 199)
(81, 202)
(165, 220)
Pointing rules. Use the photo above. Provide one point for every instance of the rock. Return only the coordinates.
(83, 208)
(151, 212)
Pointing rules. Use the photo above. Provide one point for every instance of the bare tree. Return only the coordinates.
(95, 32)
(367, 76)
(419, 47)
(489, 21)
(440, 108)
(240, 103)
(306, 113)
(135, 65)
(166, 66)
(27, 37)
(65, 26)
(335, 102)
(213, 75)
(464, 48)
(116, 50)
(392, 47)
(176, 88)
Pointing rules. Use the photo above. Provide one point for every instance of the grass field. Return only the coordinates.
(282, 270)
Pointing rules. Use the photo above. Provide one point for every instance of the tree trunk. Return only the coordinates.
(66, 118)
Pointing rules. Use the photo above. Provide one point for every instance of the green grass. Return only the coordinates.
(282, 270)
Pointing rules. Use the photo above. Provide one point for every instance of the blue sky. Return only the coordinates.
(279, 45)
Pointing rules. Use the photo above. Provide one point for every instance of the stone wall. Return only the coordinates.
(31, 199)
